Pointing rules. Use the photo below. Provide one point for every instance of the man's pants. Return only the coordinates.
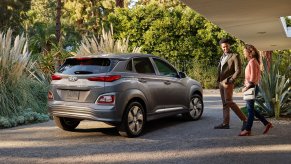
(226, 92)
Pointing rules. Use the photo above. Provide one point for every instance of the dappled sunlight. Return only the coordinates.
(158, 156)
(30, 129)
(26, 144)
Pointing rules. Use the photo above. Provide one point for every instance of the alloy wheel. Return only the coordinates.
(196, 107)
(135, 119)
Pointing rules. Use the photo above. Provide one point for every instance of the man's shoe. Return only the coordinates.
(222, 126)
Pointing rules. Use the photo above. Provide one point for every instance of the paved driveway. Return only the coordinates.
(169, 140)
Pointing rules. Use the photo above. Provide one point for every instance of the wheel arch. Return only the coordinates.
(195, 89)
(141, 101)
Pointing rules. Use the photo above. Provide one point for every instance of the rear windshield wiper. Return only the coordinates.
(83, 72)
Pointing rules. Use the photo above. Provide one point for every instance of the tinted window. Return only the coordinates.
(85, 66)
(165, 69)
(143, 65)
(129, 65)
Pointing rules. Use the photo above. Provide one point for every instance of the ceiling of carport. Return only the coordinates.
(255, 22)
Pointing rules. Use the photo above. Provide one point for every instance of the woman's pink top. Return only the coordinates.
(252, 72)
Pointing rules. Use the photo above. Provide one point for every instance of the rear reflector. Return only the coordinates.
(56, 77)
(105, 78)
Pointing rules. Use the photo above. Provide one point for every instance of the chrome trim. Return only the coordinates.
(168, 109)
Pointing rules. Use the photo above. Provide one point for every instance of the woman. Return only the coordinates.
(252, 78)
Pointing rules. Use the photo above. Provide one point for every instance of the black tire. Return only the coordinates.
(196, 108)
(68, 124)
(133, 121)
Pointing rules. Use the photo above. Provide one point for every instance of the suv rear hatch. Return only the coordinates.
(81, 79)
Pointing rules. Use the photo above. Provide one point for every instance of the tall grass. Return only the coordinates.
(105, 44)
(14, 58)
(19, 78)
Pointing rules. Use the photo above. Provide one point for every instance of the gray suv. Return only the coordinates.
(124, 90)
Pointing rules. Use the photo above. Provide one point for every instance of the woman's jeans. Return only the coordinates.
(250, 104)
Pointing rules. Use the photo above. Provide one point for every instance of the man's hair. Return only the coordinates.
(224, 40)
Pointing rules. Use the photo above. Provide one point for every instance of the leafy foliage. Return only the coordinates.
(165, 3)
(284, 56)
(50, 61)
(175, 33)
(13, 12)
(204, 73)
(288, 21)
(41, 37)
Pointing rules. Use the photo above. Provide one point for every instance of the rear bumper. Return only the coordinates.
(85, 111)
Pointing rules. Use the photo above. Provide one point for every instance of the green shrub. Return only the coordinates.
(204, 73)
(27, 116)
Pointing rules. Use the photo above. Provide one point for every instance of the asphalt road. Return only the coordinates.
(169, 140)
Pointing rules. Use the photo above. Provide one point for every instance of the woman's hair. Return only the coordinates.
(253, 51)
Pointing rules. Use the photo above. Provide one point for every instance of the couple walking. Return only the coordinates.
(229, 69)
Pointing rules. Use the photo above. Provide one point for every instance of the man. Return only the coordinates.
(229, 69)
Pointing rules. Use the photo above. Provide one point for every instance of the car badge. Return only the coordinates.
(73, 78)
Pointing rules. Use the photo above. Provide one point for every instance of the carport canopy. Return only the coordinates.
(257, 22)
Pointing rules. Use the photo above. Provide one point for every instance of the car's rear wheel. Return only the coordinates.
(133, 120)
(196, 108)
(68, 124)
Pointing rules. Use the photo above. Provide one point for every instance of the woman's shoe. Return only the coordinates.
(245, 133)
(244, 125)
(268, 127)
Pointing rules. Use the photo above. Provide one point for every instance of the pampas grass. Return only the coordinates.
(19, 77)
(105, 44)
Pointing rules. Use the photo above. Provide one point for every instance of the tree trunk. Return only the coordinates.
(58, 21)
(119, 3)
(58, 32)
(268, 56)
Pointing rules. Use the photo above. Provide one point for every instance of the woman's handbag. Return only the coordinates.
(250, 94)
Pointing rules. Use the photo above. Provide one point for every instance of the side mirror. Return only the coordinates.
(182, 75)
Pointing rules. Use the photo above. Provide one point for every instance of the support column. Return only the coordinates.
(267, 55)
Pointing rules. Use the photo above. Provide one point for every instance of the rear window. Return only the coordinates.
(74, 66)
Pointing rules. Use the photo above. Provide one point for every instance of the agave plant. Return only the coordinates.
(105, 44)
(275, 91)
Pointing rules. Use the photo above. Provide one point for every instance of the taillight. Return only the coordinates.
(109, 78)
(105, 99)
(50, 95)
(56, 77)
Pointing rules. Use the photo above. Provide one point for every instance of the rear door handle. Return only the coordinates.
(167, 82)
(142, 80)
